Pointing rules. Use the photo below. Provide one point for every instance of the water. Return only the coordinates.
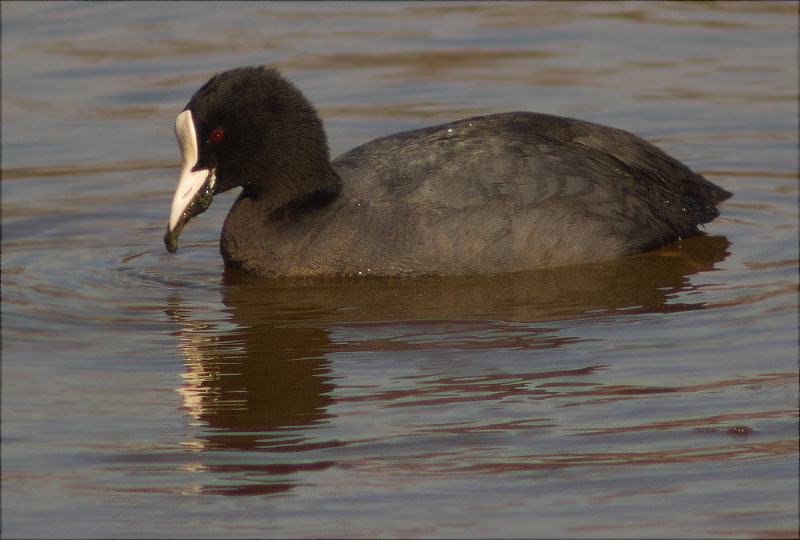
(148, 394)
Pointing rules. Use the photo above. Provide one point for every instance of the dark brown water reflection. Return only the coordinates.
(262, 386)
(270, 372)
(154, 395)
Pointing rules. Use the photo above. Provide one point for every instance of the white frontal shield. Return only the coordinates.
(190, 182)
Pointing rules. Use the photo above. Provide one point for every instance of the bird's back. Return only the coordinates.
(514, 191)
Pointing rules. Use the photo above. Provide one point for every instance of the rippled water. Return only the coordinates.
(148, 394)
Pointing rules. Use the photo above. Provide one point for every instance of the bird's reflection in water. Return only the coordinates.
(244, 384)
(258, 379)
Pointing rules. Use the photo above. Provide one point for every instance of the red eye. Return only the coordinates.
(217, 135)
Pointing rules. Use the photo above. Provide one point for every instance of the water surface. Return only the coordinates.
(147, 394)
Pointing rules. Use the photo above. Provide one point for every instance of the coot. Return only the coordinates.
(497, 193)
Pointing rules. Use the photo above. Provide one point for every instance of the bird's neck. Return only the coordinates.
(309, 193)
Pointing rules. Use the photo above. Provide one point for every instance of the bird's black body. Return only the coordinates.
(498, 193)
